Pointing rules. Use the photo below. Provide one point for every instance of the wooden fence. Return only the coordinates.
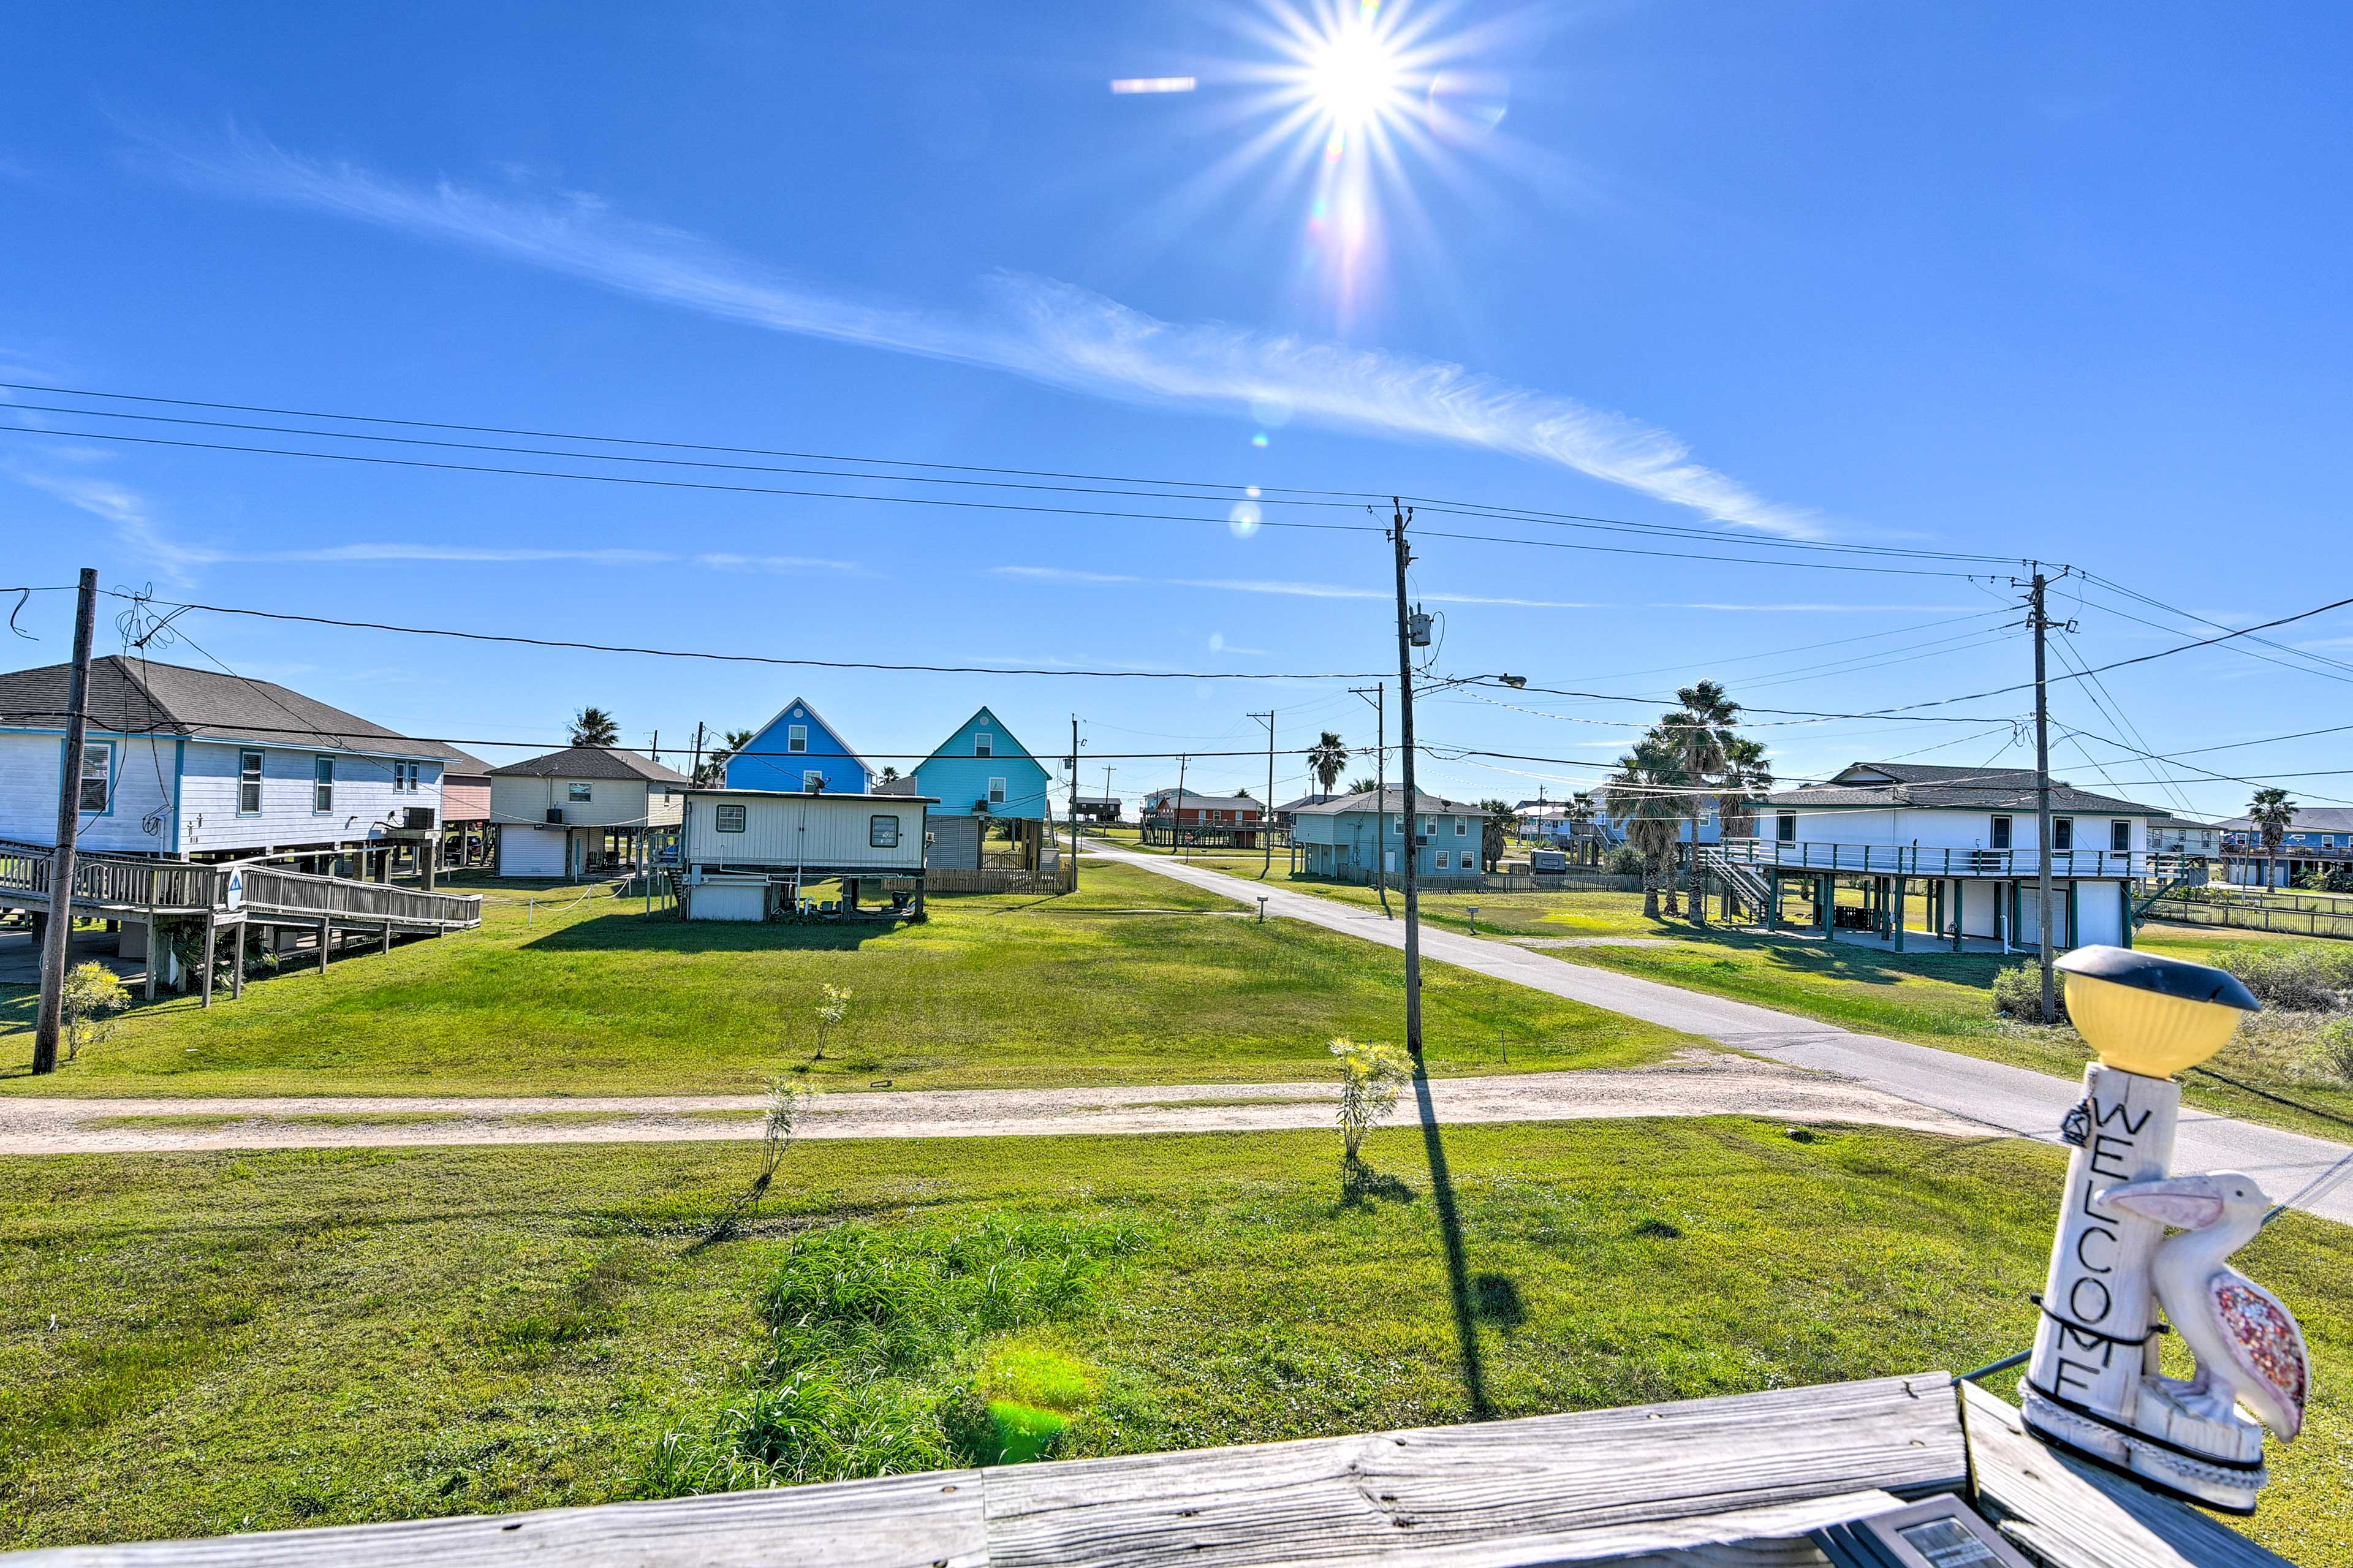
(945, 879)
(1484, 882)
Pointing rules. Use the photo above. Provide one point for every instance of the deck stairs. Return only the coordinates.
(2177, 877)
(1747, 884)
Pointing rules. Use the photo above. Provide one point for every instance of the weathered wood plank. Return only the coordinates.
(1571, 1484)
(1728, 1481)
(899, 1522)
(2075, 1514)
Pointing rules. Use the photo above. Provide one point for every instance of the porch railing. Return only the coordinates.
(180, 887)
(1918, 860)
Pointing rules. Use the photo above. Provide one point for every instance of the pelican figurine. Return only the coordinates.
(2247, 1344)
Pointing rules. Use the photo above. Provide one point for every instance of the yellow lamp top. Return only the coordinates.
(2148, 1014)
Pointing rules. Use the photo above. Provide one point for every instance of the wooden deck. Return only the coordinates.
(1713, 1481)
(110, 886)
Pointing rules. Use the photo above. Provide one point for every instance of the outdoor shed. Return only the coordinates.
(744, 854)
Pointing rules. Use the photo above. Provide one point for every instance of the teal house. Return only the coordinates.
(798, 751)
(982, 770)
(1351, 835)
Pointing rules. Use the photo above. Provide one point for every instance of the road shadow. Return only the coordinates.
(1466, 1296)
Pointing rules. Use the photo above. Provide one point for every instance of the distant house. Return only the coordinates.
(1611, 814)
(581, 810)
(194, 764)
(746, 855)
(1202, 821)
(2182, 836)
(1289, 809)
(1098, 807)
(2319, 838)
(1352, 835)
(1961, 840)
(798, 751)
(982, 773)
(467, 836)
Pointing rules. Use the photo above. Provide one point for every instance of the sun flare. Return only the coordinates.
(1354, 76)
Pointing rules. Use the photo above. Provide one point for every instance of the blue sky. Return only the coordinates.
(2064, 285)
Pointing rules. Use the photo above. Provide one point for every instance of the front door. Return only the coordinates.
(1389, 861)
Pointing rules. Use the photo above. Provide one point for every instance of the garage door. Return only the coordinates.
(530, 851)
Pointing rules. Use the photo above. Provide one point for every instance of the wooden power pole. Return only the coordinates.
(1074, 803)
(1398, 519)
(2041, 624)
(57, 936)
(1377, 695)
(1266, 812)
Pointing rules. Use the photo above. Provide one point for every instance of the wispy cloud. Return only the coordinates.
(1059, 574)
(1307, 590)
(1037, 328)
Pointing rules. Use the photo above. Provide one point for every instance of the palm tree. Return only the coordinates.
(1365, 785)
(1501, 820)
(595, 727)
(890, 774)
(1325, 758)
(2271, 811)
(1649, 787)
(712, 774)
(1748, 778)
(1700, 734)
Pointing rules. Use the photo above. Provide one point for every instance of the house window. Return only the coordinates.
(1397, 826)
(248, 784)
(2062, 833)
(97, 774)
(996, 792)
(796, 738)
(323, 784)
(1441, 858)
(1428, 825)
(813, 782)
(578, 793)
(2120, 837)
(1785, 827)
(2001, 833)
(730, 818)
(882, 831)
(984, 744)
(1461, 826)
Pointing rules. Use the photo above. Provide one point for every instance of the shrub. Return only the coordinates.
(1625, 861)
(91, 998)
(2334, 1048)
(2301, 978)
(2018, 993)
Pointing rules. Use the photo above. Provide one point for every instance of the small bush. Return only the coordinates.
(2301, 978)
(91, 998)
(2334, 1049)
(2018, 993)
(1371, 1078)
(1625, 861)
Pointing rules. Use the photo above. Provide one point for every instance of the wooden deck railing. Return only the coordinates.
(1916, 860)
(132, 886)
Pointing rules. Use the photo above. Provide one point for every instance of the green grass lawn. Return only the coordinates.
(203, 1342)
(1932, 998)
(1107, 985)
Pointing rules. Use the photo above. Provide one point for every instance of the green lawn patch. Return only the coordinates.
(595, 997)
(194, 1344)
(1929, 997)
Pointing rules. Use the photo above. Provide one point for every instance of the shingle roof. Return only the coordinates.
(1392, 799)
(136, 697)
(2308, 819)
(591, 763)
(1965, 789)
(1193, 800)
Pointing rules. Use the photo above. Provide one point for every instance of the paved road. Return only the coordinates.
(1697, 1083)
(2015, 1099)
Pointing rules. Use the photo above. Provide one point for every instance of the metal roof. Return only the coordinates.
(138, 696)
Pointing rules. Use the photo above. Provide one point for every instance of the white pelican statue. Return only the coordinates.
(2247, 1344)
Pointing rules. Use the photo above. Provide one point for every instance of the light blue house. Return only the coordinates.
(979, 771)
(1354, 834)
(1610, 819)
(796, 751)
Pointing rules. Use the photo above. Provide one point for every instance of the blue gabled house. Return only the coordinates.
(795, 751)
(981, 771)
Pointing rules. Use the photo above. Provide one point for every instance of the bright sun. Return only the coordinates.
(1353, 77)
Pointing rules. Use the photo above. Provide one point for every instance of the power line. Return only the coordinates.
(737, 658)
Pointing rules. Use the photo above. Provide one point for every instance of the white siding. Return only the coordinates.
(363, 798)
(1940, 829)
(29, 765)
(531, 852)
(804, 830)
(611, 802)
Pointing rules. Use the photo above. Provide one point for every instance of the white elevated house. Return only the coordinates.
(583, 809)
(746, 854)
(1950, 853)
(194, 764)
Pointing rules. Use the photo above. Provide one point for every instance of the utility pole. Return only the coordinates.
(57, 936)
(1074, 803)
(1177, 810)
(2041, 624)
(694, 769)
(1398, 519)
(1377, 695)
(1266, 812)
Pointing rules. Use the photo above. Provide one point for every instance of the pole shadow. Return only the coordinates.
(1457, 1266)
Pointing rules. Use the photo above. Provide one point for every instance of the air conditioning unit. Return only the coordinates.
(555, 815)
(417, 816)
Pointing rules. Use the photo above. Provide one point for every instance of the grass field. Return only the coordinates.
(1932, 998)
(204, 1342)
(1132, 980)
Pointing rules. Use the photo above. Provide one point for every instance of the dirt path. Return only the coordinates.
(1693, 1083)
(2030, 1104)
